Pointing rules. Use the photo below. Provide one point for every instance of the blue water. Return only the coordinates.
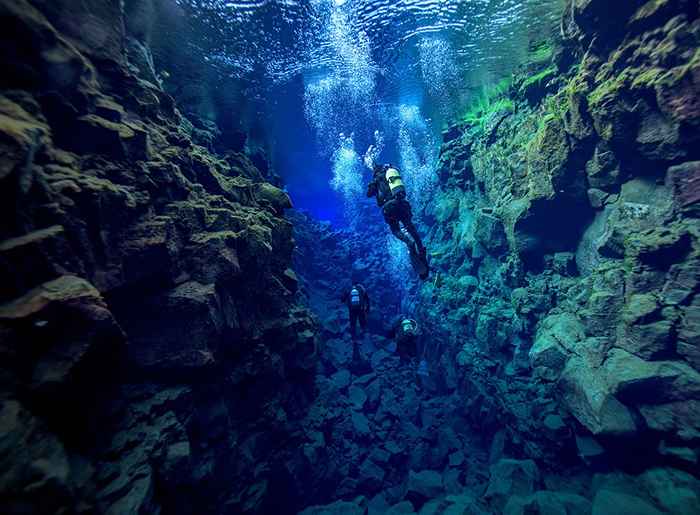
(315, 77)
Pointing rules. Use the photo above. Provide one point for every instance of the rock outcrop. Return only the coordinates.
(567, 246)
(154, 355)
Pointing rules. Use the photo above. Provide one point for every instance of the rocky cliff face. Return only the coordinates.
(566, 236)
(154, 355)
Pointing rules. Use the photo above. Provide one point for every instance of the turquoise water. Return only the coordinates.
(313, 81)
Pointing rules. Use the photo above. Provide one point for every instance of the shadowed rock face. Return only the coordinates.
(154, 357)
(592, 304)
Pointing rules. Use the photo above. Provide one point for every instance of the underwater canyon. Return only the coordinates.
(183, 193)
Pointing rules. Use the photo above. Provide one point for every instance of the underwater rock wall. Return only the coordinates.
(566, 241)
(154, 356)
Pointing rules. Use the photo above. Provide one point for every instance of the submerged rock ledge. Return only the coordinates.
(161, 355)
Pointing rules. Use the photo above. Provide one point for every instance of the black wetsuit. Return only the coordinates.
(358, 307)
(405, 332)
(396, 210)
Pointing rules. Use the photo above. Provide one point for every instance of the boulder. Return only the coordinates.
(676, 491)
(370, 476)
(273, 197)
(459, 505)
(338, 352)
(681, 418)
(402, 507)
(589, 450)
(360, 424)
(557, 337)
(336, 508)
(357, 397)
(511, 478)
(684, 181)
(341, 379)
(423, 485)
(608, 502)
(76, 338)
(33, 462)
(456, 459)
(548, 503)
(603, 169)
(638, 381)
(489, 231)
(588, 397)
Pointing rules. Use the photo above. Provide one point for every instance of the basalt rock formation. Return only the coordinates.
(566, 237)
(154, 355)
(168, 347)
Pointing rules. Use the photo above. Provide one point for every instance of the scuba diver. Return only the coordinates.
(390, 192)
(357, 301)
(404, 331)
(407, 336)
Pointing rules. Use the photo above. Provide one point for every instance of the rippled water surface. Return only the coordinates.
(276, 39)
(317, 79)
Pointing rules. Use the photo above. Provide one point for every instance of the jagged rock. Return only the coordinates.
(680, 417)
(548, 503)
(589, 449)
(680, 454)
(360, 423)
(357, 397)
(688, 344)
(557, 337)
(71, 351)
(370, 476)
(339, 352)
(611, 502)
(603, 169)
(35, 258)
(275, 197)
(488, 230)
(34, 462)
(674, 490)
(423, 485)
(337, 508)
(590, 400)
(636, 380)
(402, 507)
(341, 379)
(684, 181)
(509, 478)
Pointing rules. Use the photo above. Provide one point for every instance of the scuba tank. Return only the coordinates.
(355, 298)
(396, 186)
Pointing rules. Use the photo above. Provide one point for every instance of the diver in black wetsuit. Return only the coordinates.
(390, 192)
(357, 301)
(405, 332)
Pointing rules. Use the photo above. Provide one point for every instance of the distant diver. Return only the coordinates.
(387, 186)
(407, 335)
(357, 300)
(404, 331)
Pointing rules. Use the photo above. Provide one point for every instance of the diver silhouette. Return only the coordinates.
(390, 192)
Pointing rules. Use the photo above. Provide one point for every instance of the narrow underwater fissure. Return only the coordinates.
(172, 334)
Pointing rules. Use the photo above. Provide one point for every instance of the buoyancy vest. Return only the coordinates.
(355, 297)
